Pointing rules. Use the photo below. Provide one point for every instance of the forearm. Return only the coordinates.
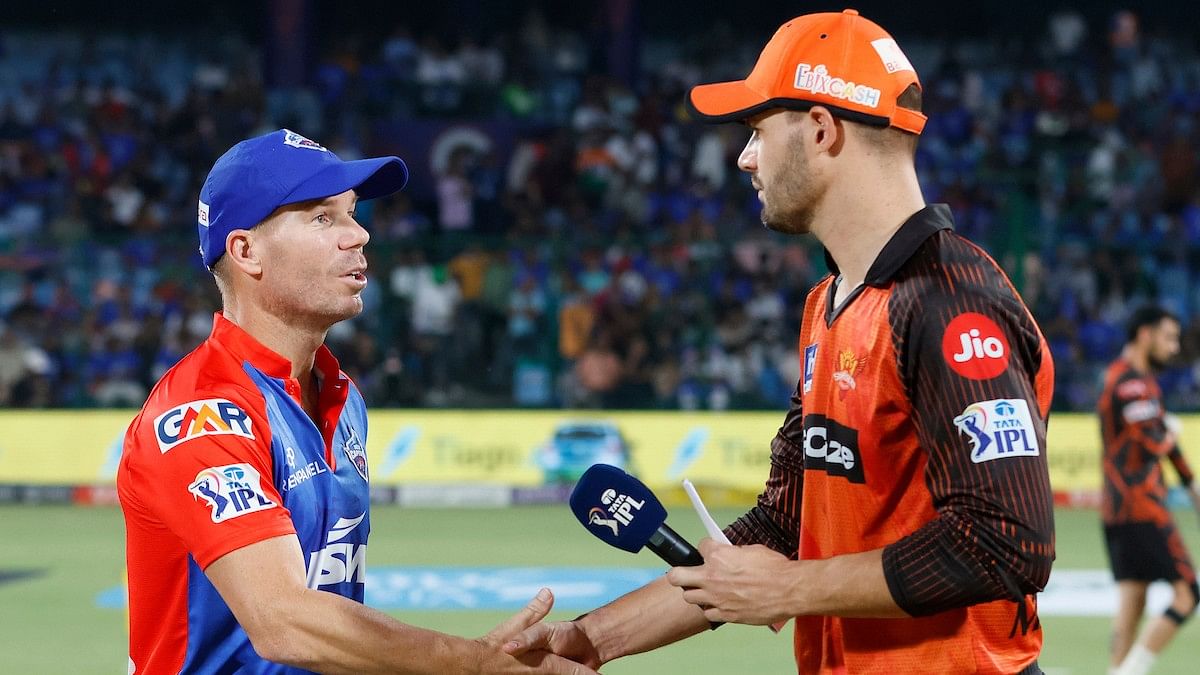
(851, 585)
(328, 633)
(650, 617)
(1181, 465)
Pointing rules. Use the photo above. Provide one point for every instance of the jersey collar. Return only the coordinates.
(245, 348)
(904, 243)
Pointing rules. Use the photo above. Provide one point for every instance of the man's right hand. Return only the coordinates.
(565, 638)
(538, 659)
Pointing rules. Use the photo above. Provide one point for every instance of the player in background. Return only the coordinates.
(907, 521)
(244, 479)
(1143, 542)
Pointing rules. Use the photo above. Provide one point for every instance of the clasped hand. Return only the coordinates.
(739, 584)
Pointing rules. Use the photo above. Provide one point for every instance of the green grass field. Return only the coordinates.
(50, 623)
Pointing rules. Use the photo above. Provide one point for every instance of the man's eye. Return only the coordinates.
(322, 219)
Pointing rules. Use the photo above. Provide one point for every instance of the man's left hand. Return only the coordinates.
(740, 584)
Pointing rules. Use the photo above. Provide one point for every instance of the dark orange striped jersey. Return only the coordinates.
(1133, 426)
(919, 427)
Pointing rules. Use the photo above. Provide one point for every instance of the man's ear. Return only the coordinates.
(827, 131)
(241, 251)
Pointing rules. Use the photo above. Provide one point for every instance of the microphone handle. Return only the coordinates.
(674, 549)
(677, 552)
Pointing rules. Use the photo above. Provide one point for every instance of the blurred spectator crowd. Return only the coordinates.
(614, 257)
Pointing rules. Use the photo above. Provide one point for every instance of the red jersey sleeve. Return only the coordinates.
(203, 470)
(979, 377)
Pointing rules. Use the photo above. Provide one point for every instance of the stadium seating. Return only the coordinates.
(568, 239)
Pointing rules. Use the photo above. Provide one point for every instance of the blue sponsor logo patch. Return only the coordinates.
(810, 364)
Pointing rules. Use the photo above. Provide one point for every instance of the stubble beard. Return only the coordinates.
(793, 221)
(788, 208)
(307, 304)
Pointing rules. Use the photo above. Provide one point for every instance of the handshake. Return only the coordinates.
(620, 510)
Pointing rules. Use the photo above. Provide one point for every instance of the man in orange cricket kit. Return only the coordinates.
(907, 522)
(1143, 542)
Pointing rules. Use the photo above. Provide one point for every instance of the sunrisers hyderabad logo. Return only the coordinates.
(975, 347)
(849, 366)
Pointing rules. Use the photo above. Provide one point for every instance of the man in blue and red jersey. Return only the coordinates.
(907, 520)
(244, 479)
(1143, 543)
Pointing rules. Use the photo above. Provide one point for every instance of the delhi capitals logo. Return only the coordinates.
(297, 141)
(355, 451)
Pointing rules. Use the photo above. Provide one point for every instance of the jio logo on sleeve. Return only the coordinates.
(975, 347)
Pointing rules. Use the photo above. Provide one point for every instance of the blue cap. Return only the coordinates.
(261, 174)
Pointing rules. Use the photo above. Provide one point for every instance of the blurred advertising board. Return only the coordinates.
(414, 453)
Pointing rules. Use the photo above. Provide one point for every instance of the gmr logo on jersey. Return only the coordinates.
(620, 507)
(832, 448)
(341, 561)
(232, 490)
(208, 417)
(975, 347)
(999, 429)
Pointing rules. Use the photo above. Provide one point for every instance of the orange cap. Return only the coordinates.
(842, 61)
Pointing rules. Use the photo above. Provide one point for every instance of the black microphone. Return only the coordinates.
(622, 512)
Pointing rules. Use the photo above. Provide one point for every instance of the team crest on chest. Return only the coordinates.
(849, 367)
(355, 452)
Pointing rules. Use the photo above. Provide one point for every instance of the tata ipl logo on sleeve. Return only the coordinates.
(975, 347)
(620, 507)
(208, 417)
(232, 490)
(999, 429)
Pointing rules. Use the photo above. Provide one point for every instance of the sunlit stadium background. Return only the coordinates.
(575, 273)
